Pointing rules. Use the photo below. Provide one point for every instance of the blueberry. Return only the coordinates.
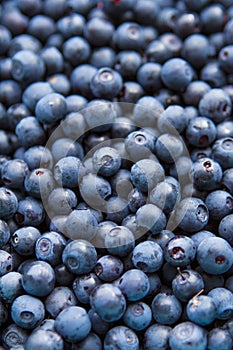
(60, 83)
(67, 171)
(225, 58)
(222, 152)
(23, 240)
(98, 325)
(103, 57)
(156, 337)
(195, 91)
(10, 92)
(106, 161)
(27, 311)
(79, 256)
(213, 74)
(224, 228)
(219, 204)
(121, 336)
(44, 339)
(212, 18)
(134, 284)
(76, 50)
(201, 310)
(83, 286)
(4, 233)
(65, 200)
(129, 36)
(38, 278)
(108, 301)
(136, 199)
(100, 114)
(162, 238)
(180, 251)
(49, 247)
(215, 104)
(165, 195)
(207, 174)
(14, 336)
(80, 79)
(200, 236)
(63, 276)
(50, 108)
(5, 39)
(109, 268)
(188, 336)
(24, 42)
(127, 63)
(186, 284)
(71, 25)
(222, 298)
(41, 27)
(151, 218)
(59, 299)
(224, 129)
(34, 92)
(176, 74)
(30, 212)
(75, 103)
(15, 113)
(119, 241)
(138, 316)
(169, 147)
(73, 324)
(9, 203)
(98, 31)
(166, 309)
(219, 339)
(140, 145)
(215, 255)
(10, 286)
(106, 83)
(201, 132)
(27, 67)
(30, 132)
(39, 183)
(147, 256)
(142, 174)
(186, 24)
(91, 341)
(173, 119)
(14, 172)
(81, 224)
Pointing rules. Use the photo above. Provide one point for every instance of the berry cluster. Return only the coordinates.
(116, 175)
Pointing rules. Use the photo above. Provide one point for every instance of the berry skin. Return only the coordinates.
(137, 316)
(79, 256)
(49, 247)
(201, 310)
(151, 218)
(10, 286)
(73, 324)
(166, 309)
(215, 104)
(9, 203)
(191, 214)
(215, 255)
(180, 251)
(224, 228)
(121, 336)
(44, 339)
(51, 108)
(176, 74)
(83, 286)
(119, 241)
(59, 299)
(134, 284)
(223, 300)
(38, 278)
(27, 311)
(147, 256)
(186, 284)
(188, 336)
(23, 240)
(219, 339)
(108, 301)
(109, 268)
(106, 83)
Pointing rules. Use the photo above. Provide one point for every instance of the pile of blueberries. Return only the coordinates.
(116, 175)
